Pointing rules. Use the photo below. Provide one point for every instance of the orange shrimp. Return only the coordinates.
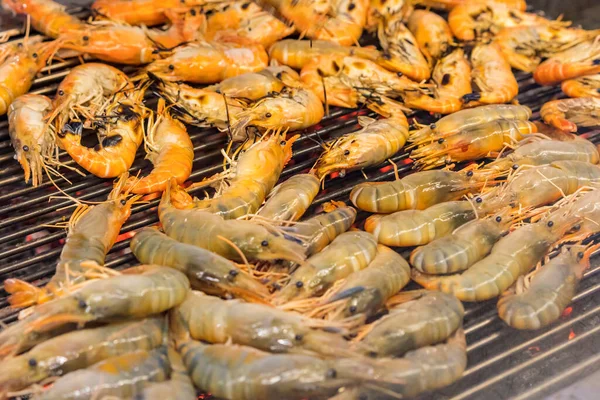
(568, 114)
(170, 150)
(204, 62)
(432, 33)
(380, 9)
(492, 75)
(451, 4)
(452, 79)
(47, 16)
(582, 59)
(139, 12)
(120, 131)
(585, 86)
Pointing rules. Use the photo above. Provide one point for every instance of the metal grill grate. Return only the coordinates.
(503, 362)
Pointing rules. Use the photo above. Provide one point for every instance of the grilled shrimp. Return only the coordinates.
(419, 227)
(225, 237)
(492, 76)
(140, 12)
(249, 180)
(122, 376)
(213, 320)
(92, 233)
(79, 349)
(432, 34)
(31, 137)
(206, 270)
(170, 150)
(472, 143)
(298, 53)
(178, 387)
(548, 291)
(524, 46)
(136, 293)
(85, 91)
(465, 246)
(452, 81)
(451, 4)
(568, 114)
(542, 152)
(476, 20)
(465, 119)
(366, 291)
(416, 191)
(348, 253)
(580, 60)
(256, 85)
(512, 256)
(422, 319)
(320, 230)
(377, 141)
(339, 21)
(289, 200)
(585, 86)
(120, 133)
(47, 16)
(20, 68)
(210, 62)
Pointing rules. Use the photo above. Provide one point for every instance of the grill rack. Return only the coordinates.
(503, 362)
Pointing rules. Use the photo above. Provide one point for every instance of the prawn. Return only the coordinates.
(79, 349)
(585, 86)
(120, 133)
(547, 292)
(492, 76)
(512, 256)
(47, 16)
(134, 293)
(289, 200)
(569, 114)
(170, 149)
(92, 233)
(349, 252)
(206, 270)
(377, 141)
(178, 387)
(31, 137)
(140, 12)
(472, 143)
(256, 85)
(432, 34)
(580, 60)
(451, 4)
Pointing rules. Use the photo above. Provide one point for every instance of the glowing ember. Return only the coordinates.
(124, 236)
(334, 175)
(386, 168)
(572, 334)
(567, 312)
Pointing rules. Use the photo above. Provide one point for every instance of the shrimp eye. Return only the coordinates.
(580, 255)
(171, 67)
(441, 140)
(268, 115)
(123, 202)
(470, 173)
(264, 243)
(331, 373)
(32, 362)
(82, 304)
(299, 337)
(400, 74)
(282, 143)
(515, 167)
(299, 284)
(34, 55)
(550, 224)
(193, 12)
(25, 148)
(577, 227)
(233, 272)
(61, 92)
(352, 309)
(372, 354)
(86, 38)
(347, 152)
(498, 219)
(432, 126)
(478, 200)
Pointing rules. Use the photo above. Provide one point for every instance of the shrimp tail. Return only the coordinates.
(23, 294)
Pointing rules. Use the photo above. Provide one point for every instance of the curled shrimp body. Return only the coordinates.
(547, 293)
(585, 86)
(119, 377)
(18, 71)
(170, 150)
(461, 249)
(33, 141)
(451, 4)
(317, 232)
(120, 132)
(92, 233)
(136, 293)
(432, 33)
(213, 320)
(348, 253)
(205, 270)
(178, 387)
(225, 237)
(424, 318)
(470, 118)
(47, 16)
(377, 141)
(366, 291)
(290, 200)
(512, 256)
(492, 76)
(256, 85)
(298, 53)
(79, 349)
(419, 227)
(579, 60)
(472, 143)
(416, 191)
(569, 114)
(139, 12)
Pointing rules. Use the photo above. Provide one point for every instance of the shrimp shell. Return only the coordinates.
(585, 86)
(47, 16)
(580, 60)
(179, 387)
(568, 114)
(289, 200)
(432, 34)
